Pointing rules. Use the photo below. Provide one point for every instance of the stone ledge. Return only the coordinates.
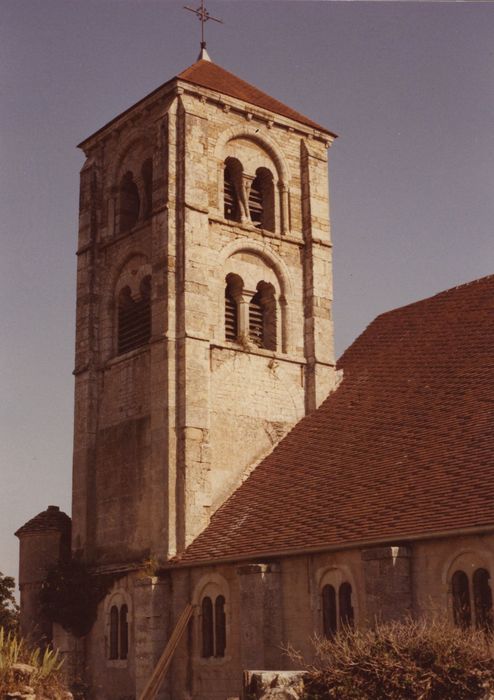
(273, 685)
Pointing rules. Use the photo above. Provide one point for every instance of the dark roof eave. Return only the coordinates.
(396, 539)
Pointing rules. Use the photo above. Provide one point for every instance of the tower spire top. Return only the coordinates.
(203, 15)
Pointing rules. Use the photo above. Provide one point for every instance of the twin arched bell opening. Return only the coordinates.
(250, 317)
(247, 199)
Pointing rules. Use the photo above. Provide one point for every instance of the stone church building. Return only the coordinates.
(221, 457)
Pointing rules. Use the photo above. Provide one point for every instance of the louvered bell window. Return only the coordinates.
(134, 318)
(256, 321)
(256, 203)
(232, 174)
(230, 199)
(231, 317)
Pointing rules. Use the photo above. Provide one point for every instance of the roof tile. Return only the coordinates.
(404, 446)
(209, 75)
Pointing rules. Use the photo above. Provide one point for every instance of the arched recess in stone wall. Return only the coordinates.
(275, 153)
(118, 599)
(335, 576)
(275, 263)
(130, 151)
(469, 559)
(213, 586)
(130, 156)
(468, 606)
(128, 270)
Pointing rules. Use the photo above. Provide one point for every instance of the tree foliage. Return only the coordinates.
(9, 610)
(70, 595)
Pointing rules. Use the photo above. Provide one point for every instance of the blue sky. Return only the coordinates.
(407, 86)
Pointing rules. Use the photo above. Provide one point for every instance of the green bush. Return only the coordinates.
(22, 666)
(424, 660)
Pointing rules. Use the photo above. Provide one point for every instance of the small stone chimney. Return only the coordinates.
(44, 542)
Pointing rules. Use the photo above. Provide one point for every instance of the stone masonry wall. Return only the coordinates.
(165, 433)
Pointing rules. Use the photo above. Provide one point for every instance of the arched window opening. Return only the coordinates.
(329, 611)
(232, 184)
(147, 179)
(262, 317)
(113, 632)
(261, 200)
(233, 290)
(220, 626)
(129, 203)
(207, 628)
(213, 627)
(231, 316)
(462, 614)
(483, 599)
(256, 321)
(124, 632)
(345, 605)
(134, 318)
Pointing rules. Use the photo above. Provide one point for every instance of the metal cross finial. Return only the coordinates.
(203, 15)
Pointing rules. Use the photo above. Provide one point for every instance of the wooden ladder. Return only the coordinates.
(159, 673)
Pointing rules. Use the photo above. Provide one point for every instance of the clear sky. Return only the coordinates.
(407, 86)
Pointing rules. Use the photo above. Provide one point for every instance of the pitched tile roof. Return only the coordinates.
(51, 519)
(209, 75)
(404, 447)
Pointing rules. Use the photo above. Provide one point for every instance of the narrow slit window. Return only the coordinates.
(483, 599)
(113, 632)
(329, 611)
(207, 628)
(345, 605)
(124, 632)
(220, 626)
(462, 613)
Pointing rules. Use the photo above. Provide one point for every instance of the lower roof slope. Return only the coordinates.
(403, 448)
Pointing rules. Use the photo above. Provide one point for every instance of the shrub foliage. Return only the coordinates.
(424, 660)
(21, 665)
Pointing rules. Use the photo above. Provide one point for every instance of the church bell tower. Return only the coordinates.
(204, 293)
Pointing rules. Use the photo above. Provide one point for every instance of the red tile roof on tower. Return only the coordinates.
(404, 448)
(211, 76)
